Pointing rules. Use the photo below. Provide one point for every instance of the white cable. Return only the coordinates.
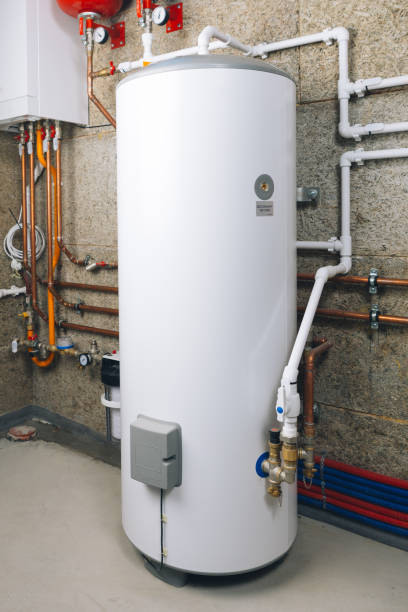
(17, 254)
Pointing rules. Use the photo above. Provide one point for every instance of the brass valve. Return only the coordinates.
(273, 482)
(289, 459)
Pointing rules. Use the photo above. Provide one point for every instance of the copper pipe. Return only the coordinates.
(392, 319)
(91, 330)
(91, 94)
(60, 241)
(358, 316)
(50, 277)
(83, 307)
(24, 199)
(308, 392)
(79, 262)
(359, 280)
(102, 288)
(84, 286)
(36, 308)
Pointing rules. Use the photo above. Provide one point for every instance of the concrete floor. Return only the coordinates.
(62, 549)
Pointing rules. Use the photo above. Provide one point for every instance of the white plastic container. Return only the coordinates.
(207, 300)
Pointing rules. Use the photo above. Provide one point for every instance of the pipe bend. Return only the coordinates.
(43, 363)
(339, 33)
(348, 157)
(205, 36)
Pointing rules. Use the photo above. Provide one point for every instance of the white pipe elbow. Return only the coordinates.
(349, 131)
(339, 34)
(347, 158)
(203, 41)
(345, 261)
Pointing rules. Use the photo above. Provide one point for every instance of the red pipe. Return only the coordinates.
(351, 469)
(401, 516)
(352, 508)
(139, 8)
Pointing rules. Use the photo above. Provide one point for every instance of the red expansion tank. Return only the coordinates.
(105, 8)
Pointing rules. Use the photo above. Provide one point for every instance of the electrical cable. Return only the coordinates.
(161, 530)
(16, 254)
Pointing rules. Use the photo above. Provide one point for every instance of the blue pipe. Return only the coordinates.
(365, 481)
(401, 506)
(353, 488)
(353, 515)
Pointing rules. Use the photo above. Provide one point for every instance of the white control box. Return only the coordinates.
(43, 67)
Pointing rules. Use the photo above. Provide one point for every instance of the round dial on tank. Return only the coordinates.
(100, 35)
(160, 15)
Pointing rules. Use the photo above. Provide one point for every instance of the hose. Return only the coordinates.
(394, 502)
(353, 515)
(351, 469)
(386, 513)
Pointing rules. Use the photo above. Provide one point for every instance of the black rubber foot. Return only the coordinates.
(167, 574)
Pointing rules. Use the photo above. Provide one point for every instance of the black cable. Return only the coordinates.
(161, 530)
(89, 127)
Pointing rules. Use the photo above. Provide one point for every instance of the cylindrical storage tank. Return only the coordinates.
(206, 200)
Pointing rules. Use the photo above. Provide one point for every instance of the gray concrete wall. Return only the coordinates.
(362, 383)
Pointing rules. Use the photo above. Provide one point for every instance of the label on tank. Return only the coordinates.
(264, 209)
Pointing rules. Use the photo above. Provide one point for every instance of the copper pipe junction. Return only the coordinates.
(90, 78)
(310, 358)
(50, 283)
(61, 244)
(311, 355)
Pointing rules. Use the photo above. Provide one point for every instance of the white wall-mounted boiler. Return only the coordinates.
(43, 67)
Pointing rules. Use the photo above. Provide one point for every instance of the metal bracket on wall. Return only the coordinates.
(374, 312)
(372, 281)
(307, 195)
(117, 35)
(175, 21)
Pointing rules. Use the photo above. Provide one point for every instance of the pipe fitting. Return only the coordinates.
(339, 33)
(273, 468)
(307, 455)
(289, 459)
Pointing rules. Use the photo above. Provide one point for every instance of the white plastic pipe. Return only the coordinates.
(154, 59)
(288, 401)
(359, 155)
(14, 291)
(328, 36)
(210, 32)
(331, 245)
(361, 86)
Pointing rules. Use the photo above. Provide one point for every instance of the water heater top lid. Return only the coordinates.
(192, 62)
(105, 8)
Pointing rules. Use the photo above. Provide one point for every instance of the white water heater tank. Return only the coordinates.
(206, 198)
